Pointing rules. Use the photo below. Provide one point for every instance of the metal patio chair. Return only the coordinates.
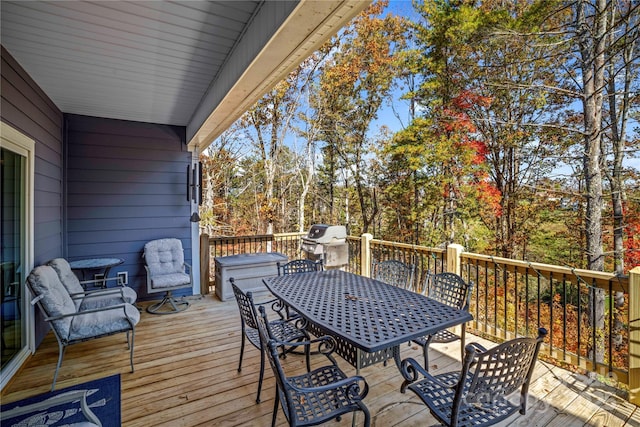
(71, 324)
(483, 393)
(321, 394)
(284, 330)
(393, 272)
(452, 290)
(299, 266)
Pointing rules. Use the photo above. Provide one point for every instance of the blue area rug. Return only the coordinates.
(103, 397)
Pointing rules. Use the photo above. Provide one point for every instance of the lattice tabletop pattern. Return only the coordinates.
(365, 313)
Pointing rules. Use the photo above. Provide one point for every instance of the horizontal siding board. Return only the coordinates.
(28, 102)
(126, 223)
(47, 249)
(140, 165)
(48, 184)
(127, 130)
(117, 236)
(121, 212)
(48, 211)
(108, 152)
(22, 121)
(130, 177)
(139, 189)
(48, 200)
(132, 249)
(44, 102)
(46, 168)
(49, 229)
(97, 139)
(166, 201)
(52, 156)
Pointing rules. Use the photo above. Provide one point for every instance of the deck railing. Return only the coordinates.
(585, 312)
(593, 317)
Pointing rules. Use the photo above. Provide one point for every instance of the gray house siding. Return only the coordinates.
(24, 106)
(126, 185)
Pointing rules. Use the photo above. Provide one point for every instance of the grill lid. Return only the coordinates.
(316, 231)
(322, 233)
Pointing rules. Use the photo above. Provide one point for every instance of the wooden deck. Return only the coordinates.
(186, 375)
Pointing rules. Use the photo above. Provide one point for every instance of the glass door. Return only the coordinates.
(12, 264)
(17, 168)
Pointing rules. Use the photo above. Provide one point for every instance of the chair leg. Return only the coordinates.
(307, 354)
(241, 352)
(168, 300)
(276, 403)
(425, 352)
(261, 375)
(61, 349)
(133, 335)
(367, 415)
(462, 341)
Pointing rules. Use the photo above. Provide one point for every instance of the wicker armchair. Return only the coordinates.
(452, 290)
(393, 272)
(482, 394)
(317, 396)
(299, 266)
(284, 330)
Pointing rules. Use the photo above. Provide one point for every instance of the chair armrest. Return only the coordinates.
(410, 368)
(477, 346)
(326, 346)
(325, 343)
(105, 280)
(97, 293)
(355, 393)
(277, 305)
(85, 312)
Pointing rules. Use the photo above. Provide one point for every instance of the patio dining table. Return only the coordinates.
(369, 319)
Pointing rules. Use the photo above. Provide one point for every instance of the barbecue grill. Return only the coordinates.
(327, 243)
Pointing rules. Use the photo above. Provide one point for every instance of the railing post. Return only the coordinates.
(204, 264)
(634, 336)
(365, 254)
(453, 258)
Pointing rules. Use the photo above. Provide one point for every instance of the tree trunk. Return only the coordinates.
(592, 43)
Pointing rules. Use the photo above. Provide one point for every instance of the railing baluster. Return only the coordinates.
(516, 298)
(611, 317)
(593, 326)
(564, 318)
(579, 350)
(526, 301)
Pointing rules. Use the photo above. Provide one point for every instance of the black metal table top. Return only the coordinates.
(369, 314)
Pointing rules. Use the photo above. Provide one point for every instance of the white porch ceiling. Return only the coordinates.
(198, 64)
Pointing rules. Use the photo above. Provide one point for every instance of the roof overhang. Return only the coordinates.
(309, 25)
(194, 63)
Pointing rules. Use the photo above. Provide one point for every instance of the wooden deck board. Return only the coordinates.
(186, 375)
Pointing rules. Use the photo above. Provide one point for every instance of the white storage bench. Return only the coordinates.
(247, 270)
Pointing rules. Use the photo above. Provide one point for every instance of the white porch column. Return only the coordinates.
(365, 254)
